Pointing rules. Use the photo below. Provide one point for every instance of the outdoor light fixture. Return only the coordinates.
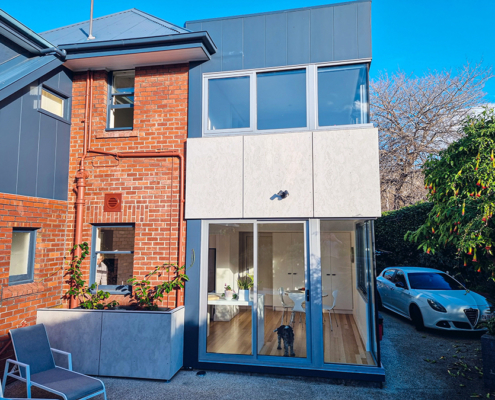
(283, 194)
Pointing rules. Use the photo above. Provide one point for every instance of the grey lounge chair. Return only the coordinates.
(35, 366)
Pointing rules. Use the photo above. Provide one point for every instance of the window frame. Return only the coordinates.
(112, 289)
(29, 277)
(65, 98)
(111, 95)
(311, 99)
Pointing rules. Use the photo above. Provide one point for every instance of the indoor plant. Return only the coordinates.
(244, 283)
(229, 293)
(488, 353)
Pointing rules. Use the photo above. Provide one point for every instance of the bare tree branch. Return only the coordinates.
(416, 117)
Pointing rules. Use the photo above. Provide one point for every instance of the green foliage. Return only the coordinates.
(147, 296)
(89, 297)
(461, 181)
(490, 325)
(245, 282)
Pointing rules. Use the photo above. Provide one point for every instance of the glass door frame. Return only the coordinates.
(314, 316)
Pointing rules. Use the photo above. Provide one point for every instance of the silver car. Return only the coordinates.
(431, 298)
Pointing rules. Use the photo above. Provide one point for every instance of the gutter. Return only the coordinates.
(21, 28)
(204, 37)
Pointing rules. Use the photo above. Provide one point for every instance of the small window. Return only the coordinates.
(281, 99)
(52, 103)
(228, 103)
(121, 100)
(113, 257)
(342, 95)
(21, 269)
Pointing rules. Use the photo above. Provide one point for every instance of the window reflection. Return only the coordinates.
(282, 99)
(342, 95)
(228, 103)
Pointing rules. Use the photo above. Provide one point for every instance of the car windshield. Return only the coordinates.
(433, 281)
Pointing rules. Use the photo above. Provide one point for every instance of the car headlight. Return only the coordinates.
(436, 306)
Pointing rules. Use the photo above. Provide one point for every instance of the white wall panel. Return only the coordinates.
(346, 173)
(273, 163)
(214, 178)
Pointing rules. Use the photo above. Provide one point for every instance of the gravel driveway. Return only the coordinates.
(404, 351)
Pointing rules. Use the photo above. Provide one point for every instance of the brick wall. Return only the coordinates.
(149, 186)
(18, 303)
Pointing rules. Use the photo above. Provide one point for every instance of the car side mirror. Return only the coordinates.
(400, 285)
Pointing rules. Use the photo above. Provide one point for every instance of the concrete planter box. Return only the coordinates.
(488, 355)
(119, 343)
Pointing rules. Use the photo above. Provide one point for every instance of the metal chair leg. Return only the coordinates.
(336, 320)
(330, 316)
(283, 312)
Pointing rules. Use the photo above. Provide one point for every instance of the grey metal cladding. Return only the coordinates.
(46, 157)
(232, 44)
(215, 31)
(10, 118)
(194, 106)
(254, 43)
(29, 139)
(298, 37)
(364, 29)
(62, 161)
(345, 33)
(322, 35)
(34, 155)
(276, 40)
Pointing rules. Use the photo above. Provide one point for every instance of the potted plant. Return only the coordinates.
(244, 283)
(228, 293)
(488, 353)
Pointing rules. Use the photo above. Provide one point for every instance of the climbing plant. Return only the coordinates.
(89, 297)
(460, 181)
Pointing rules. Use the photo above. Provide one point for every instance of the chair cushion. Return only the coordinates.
(32, 347)
(74, 385)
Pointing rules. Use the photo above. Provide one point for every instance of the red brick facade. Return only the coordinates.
(18, 303)
(149, 186)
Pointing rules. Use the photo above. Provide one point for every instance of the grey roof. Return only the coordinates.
(129, 24)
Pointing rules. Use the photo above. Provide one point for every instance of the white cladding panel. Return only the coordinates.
(273, 163)
(214, 178)
(327, 173)
(346, 173)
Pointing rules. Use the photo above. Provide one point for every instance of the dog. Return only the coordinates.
(285, 332)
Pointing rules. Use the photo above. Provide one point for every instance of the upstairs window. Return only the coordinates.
(121, 100)
(289, 99)
(21, 269)
(53, 103)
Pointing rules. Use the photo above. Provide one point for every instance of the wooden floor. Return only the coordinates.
(342, 345)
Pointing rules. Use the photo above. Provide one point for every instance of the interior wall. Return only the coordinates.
(227, 259)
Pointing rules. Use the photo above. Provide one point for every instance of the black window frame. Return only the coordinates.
(112, 289)
(111, 95)
(29, 276)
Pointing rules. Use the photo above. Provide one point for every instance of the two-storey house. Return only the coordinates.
(282, 189)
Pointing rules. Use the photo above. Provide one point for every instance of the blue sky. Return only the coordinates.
(411, 35)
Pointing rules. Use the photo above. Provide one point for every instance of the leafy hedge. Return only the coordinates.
(393, 250)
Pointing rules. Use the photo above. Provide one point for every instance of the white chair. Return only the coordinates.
(332, 308)
(298, 299)
(284, 304)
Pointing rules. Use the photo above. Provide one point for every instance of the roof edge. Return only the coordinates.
(277, 12)
(27, 38)
(200, 36)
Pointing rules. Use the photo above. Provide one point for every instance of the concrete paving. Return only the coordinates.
(404, 350)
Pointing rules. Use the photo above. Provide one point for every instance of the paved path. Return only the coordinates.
(403, 351)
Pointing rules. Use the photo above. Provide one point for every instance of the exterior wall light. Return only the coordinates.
(283, 194)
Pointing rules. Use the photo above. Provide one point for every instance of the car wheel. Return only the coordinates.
(379, 304)
(416, 317)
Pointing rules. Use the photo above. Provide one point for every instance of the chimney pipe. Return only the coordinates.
(90, 37)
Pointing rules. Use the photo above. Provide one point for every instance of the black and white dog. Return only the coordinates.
(285, 332)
